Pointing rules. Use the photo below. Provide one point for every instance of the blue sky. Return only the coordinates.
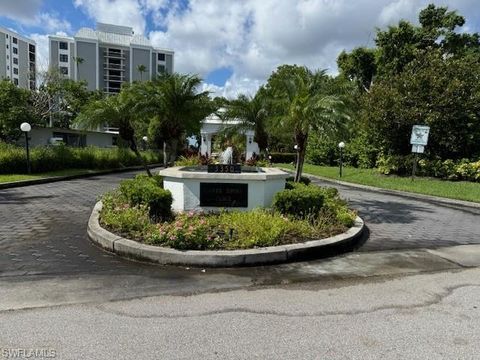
(233, 44)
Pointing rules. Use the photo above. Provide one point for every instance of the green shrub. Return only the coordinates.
(146, 191)
(52, 158)
(464, 169)
(120, 217)
(290, 181)
(300, 202)
(229, 230)
(193, 160)
(284, 158)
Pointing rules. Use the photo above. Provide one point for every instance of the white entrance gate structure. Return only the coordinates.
(213, 124)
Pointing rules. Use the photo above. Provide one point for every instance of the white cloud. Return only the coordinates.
(28, 12)
(51, 23)
(253, 37)
(118, 12)
(21, 10)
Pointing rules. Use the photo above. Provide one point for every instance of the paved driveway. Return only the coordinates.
(43, 227)
(397, 222)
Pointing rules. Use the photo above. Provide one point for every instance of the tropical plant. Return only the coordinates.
(252, 112)
(119, 110)
(141, 69)
(306, 101)
(176, 108)
(78, 61)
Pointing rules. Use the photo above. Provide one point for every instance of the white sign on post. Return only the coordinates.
(419, 135)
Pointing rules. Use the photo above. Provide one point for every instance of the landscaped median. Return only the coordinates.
(216, 258)
(135, 221)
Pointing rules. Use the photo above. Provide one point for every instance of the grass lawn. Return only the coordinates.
(20, 177)
(461, 190)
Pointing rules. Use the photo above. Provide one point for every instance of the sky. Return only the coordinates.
(234, 45)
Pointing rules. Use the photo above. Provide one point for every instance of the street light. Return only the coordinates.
(25, 127)
(297, 149)
(341, 145)
(145, 139)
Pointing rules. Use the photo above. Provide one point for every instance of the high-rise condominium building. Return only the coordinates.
(17, 59)
(108, 56)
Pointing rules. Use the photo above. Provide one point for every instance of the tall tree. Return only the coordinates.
(306, 101)
(78, 62)
(58, 100)
(15, 108)
(141, 69)
(176, 108)
(358, 66)
(252, 111)
(122, 111)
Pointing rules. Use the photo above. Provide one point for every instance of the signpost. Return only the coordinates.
(418, 140)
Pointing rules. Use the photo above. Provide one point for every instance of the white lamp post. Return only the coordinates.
(297, 149)
(145, 139)
(341, 145)
(25, 127)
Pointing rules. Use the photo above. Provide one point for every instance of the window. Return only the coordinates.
(64, 70)
(63, 58)
(15, 41)
(161, 57)
(6, 35)
(15, 81)
(70, 139)
(63, 45)
(15, 61)
(15, 71)
(31, 48)
(8, 68)
(161, 69)
(15, 50)
(7, 46)
(32, 57)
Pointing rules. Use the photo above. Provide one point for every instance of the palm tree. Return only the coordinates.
(308, 101)
(120, 111)
(177, 108)
(252, 111)
(78, 61)
(141, 69)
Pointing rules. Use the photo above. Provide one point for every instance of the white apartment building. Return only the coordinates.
(108, 56)
(17, 59)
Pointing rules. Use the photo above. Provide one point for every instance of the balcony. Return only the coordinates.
(114, 78)
(120, 67)
(117, 55)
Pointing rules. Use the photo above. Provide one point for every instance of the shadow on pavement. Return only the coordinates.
(378, 212)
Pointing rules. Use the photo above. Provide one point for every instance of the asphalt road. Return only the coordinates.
(433, 316)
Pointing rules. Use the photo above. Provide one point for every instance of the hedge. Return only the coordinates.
(144, 190)
(465, 169)
(284, 158)
(52, 158)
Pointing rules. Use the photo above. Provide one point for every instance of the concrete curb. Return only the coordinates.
(15, 184)
(223, 258)
(428, 198)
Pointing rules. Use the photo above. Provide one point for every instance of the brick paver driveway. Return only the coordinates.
(43, 227)
(396, 222)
